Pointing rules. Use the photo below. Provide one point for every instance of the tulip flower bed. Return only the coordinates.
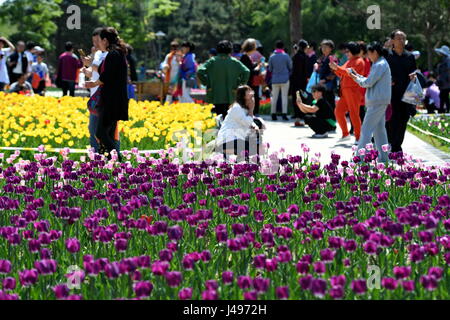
(159, 229)
(437, 125)
(32, 121)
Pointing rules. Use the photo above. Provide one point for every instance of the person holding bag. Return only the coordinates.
(112, 95)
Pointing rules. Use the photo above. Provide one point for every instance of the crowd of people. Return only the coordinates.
(367, 83)
(364, 82)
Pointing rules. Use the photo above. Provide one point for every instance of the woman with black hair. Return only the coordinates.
(188, 71)
(239, 132)
(378, 97)
(113, 104)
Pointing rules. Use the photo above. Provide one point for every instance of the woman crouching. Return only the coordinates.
(241, 133)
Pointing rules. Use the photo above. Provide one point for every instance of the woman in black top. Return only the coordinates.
(113, 105)
(248, 47)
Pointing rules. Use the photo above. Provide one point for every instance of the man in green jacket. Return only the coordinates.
(221, 75)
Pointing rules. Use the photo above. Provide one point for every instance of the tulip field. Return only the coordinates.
(287, 228)
(57, 123)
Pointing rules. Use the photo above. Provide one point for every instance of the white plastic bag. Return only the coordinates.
(414, 93)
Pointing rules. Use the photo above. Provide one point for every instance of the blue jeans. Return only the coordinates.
(93, 124)
(375, 125)
(93, 121)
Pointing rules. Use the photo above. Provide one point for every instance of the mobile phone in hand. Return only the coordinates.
(299, 98)
(81, 52)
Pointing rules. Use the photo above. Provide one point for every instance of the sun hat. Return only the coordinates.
(444, 50)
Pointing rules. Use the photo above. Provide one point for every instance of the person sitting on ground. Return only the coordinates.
(319, 116)
(239, 132)
(22, 86)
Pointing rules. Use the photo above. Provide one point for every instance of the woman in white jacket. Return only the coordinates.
(239, 133)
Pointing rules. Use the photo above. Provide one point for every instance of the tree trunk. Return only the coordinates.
(295, 8)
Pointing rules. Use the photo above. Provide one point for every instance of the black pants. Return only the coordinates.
(257, 99)
(68, 86)
(2, 86)
(331, 99)
(239, 146)
(318, 125)
(396, 126)
(105, 133)
(40, 88)
(445, 101)
(221, 109)
(431, 107)
(362, 114)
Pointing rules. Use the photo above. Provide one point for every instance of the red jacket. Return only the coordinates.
(357, 63)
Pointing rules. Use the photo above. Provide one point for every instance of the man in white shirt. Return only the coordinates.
(4, 54)
(18, 62)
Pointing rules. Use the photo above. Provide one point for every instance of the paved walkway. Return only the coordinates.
(283, 134)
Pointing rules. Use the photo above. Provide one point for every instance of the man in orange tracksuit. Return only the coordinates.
(351, 94)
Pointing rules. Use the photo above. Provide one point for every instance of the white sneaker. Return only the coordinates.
(344, 139)
(320, 136)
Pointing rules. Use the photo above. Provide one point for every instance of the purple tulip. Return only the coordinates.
(261, 285)
(5, 266)
(34, 245)
(305, 282)
(185, 294)
(282, 293)
(9, 283)
(73, 245)
(166, 255)
(244, 282)
(327, 255)
(112, 270)
(175, 233)
(337, 292)
(430, 283)
(159, 268)
(259, 261)
(46, 267)
(28, 277)
(319, 267)
(402, 272)
(61, 291)
(143, 289)
(338, 281)
(389, 283)
(436, 272)
(210, 295)
(211, 284)
(370, 247)
(271, 264)
(318, 287)
(302, 267)
(144, 262)
(359, 286)
(74, 297)
(174, 278)
(250, 295)
(408, 285)
(350, 245)
(227, 277)
(121, 245)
